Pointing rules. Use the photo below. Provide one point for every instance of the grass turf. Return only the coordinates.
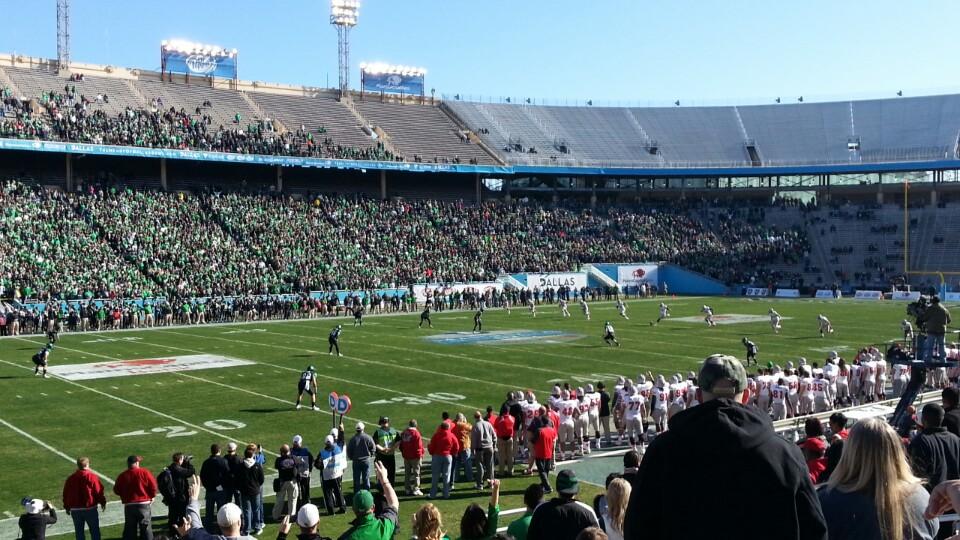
(387, 368)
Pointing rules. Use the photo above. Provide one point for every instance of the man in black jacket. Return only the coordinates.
(182, 472)
(935, 452)
(563, 517)
(604, 412)
(951, 418)
(714, 455)
(215, 477)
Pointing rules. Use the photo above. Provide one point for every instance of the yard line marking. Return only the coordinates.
(52, 449)
(354, 358)
(258, 394)
(9, 515)
(132, 403)
(44, 394)
(19, 397)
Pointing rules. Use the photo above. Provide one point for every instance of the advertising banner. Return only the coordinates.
(758, 291)
(573, 280)
(788, 293)
(632, 275)
(911, 296)
(824, 293)
(868, 295)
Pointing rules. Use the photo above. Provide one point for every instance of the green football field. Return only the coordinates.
(388, 367)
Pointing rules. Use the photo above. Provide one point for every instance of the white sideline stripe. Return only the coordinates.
(131, 403)
(52, 449)
(273, 346)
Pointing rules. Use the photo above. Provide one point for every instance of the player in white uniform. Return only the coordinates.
(830, 372)
(533, 307)
(568, 410)
(617, 406)
(633, 417)
(778, 396)
(661, 400)
(775, 319)
(582, 423)
(869, 377)
(843, 383)
(901, 374)
(531, 410)
(563, 308)
(825, 326)
(907, 330)
(764, 382)
(609, 337)
(593, 415)
(793, 392)
(664, 313)
(821, 394)
(880, 390)
(709, 318)
(806, 392)
(678, 396)
(622, 309)
(585, 308)
(856, 379)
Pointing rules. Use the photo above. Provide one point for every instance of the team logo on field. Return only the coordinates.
(729, 318)
(503, 337)
(145, 366)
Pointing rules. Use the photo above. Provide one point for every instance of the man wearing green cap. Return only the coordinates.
(563, 517)
(369, 525)
(722, 450)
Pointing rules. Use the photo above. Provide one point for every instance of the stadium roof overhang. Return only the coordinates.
(497, 170)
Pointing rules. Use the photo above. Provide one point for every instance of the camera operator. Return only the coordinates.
(39, 514)
(181, 474)
(934, 320)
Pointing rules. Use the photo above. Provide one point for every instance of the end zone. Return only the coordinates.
(145, 366)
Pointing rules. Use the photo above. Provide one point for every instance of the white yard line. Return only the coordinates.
(131, 403)
(65, 456)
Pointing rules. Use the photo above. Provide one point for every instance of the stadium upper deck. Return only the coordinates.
(903, 134)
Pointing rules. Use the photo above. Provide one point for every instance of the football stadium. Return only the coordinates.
(372, 308)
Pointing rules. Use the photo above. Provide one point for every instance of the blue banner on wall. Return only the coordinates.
(203, 65)
(393, 83)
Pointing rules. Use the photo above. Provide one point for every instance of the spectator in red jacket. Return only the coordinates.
(813, 452)
(543, 451)
(82, 492)
(411, 448)
(136, 487)
(443, 446)
(503, 426)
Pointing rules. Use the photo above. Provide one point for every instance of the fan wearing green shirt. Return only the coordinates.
(532, 498)
(370, 525)
(477, 525)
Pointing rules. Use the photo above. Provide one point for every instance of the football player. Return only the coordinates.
(633, 415)
(308, 384)
(825, 326)
(751, 350)
(478, 321)
(775, 319)
(664, 313)
(334, 339)
(563, 308)
(709, 318)
(40, 360)
(608, 334)
(622, 309)
(585, 308)
(425, 317)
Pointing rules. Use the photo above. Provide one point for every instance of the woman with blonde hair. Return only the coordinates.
(428, 524)
(618, 495)
(873, 493)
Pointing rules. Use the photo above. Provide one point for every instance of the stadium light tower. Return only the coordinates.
(63, 34)
(344, 15)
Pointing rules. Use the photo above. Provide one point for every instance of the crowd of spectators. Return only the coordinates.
(130, 243)
(71, 116)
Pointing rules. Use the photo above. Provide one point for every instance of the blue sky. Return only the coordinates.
(637, 51)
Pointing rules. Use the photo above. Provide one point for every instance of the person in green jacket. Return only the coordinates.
(532, 498)
(370, 525)
(475, 525)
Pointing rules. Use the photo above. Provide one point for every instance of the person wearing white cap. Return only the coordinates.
(229, 519)
(304, 466)
(39, 514)
(308, 519)
(361, 450)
